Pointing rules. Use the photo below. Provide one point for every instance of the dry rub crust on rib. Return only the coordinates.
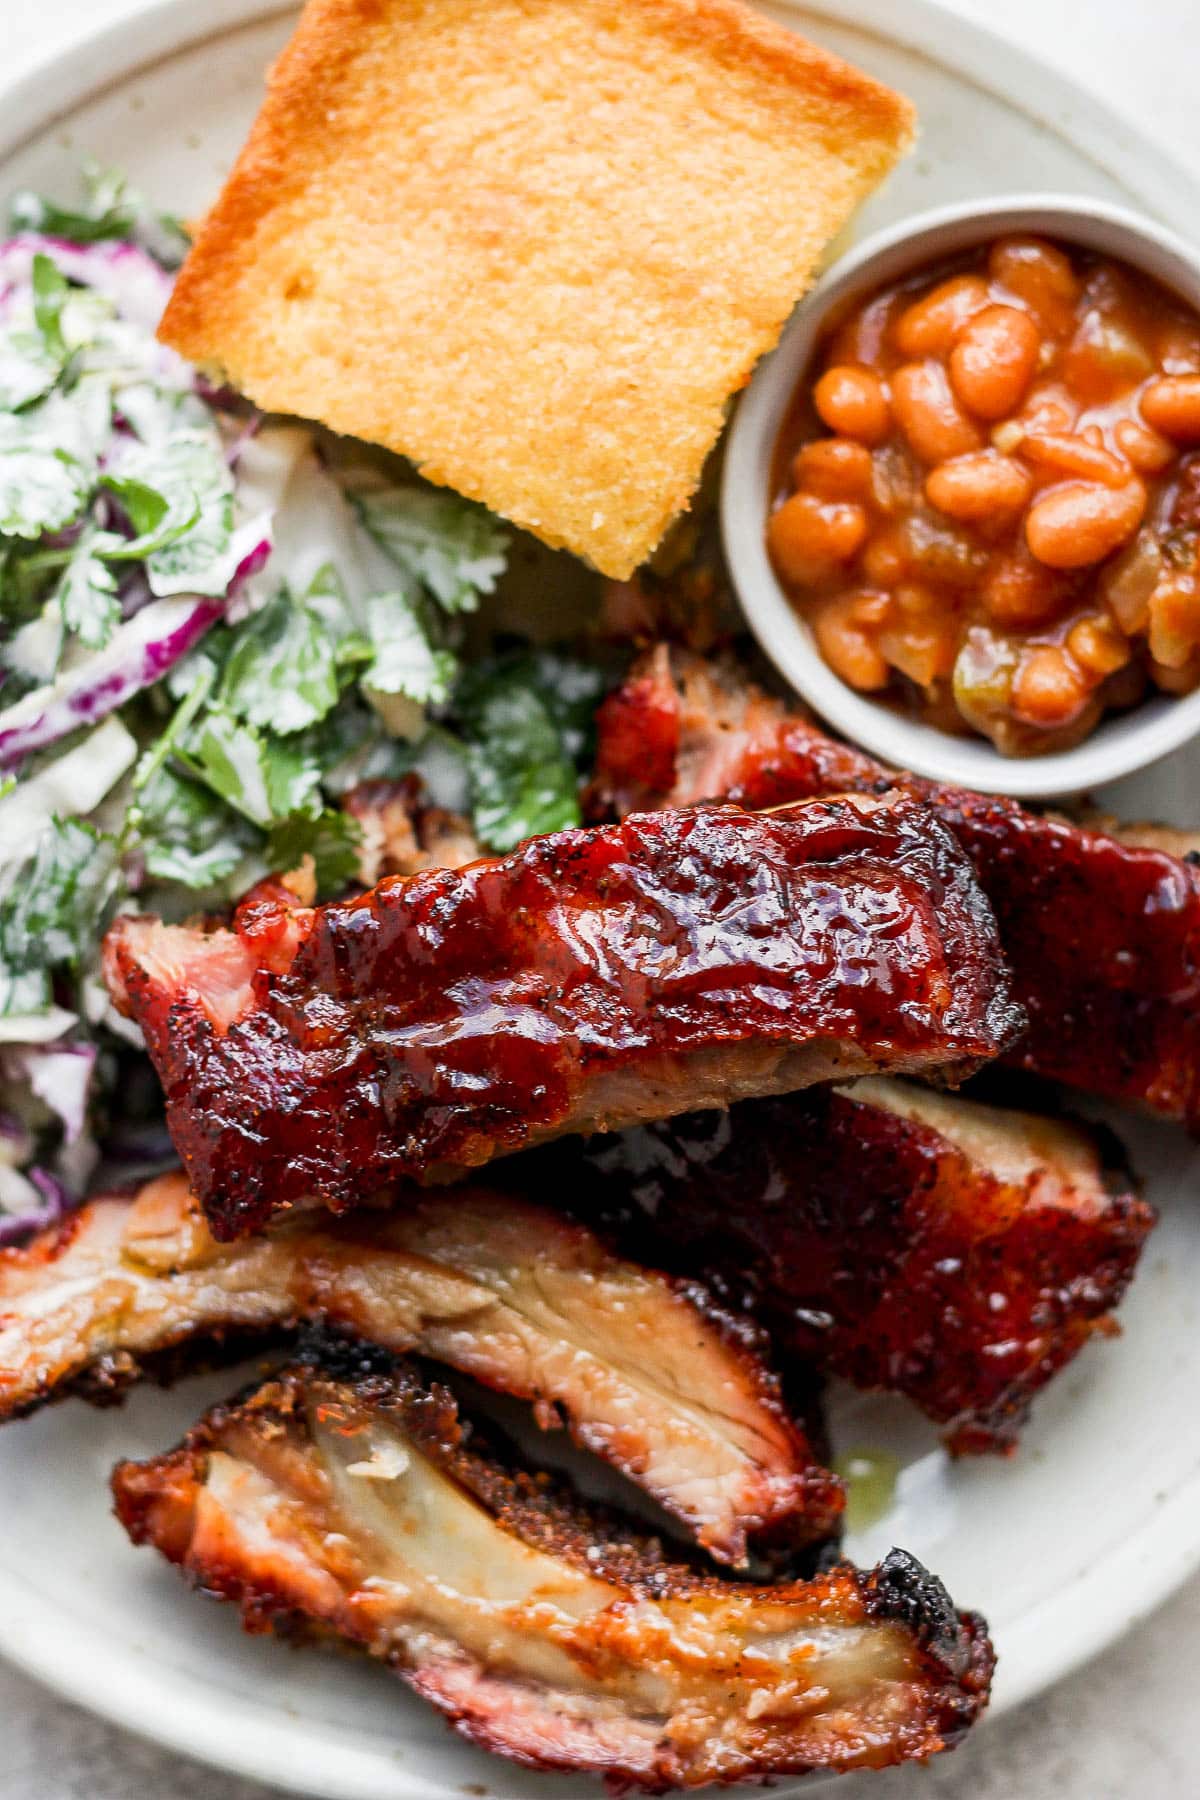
(644, 1372)
(348, 1502)
(533, 247)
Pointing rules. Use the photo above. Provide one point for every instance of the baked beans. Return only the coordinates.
(987, 494)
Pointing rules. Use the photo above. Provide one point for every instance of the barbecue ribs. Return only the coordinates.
(911, 1241)
(590, 980)
(524, 1301)
(354, 1508)
(1103, 935)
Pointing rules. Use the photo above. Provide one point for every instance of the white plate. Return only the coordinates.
(1098, 1517)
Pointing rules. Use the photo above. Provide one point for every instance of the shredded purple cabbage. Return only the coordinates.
(139, 653)
(56, 1204)
(138, 286)
(218, 394)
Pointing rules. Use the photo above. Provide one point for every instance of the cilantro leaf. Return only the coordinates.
(85, 417)
(187, 834)
(47, 469)
(522, 781)
(190, 475)
(528, 721)
(325, 597)
(105, 213)
(50, 291)
(282, 672)
(455, 549)
(155, 520)
(32, 355)
(405, 661)
(53, 911)
(111, 209)
(144, 506)
(28, 369)
(570, 689)
(87, 592)
(262, 778)
(41, 489)
(350, 744)
(152, 413)
(332, 840)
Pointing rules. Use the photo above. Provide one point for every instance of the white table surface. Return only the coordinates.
(1126, 1725)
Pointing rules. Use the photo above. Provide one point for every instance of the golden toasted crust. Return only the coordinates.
(534, 245)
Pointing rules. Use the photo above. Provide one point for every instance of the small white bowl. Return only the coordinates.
(1123, 742)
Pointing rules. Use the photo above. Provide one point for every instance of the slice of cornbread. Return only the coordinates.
(533, 245)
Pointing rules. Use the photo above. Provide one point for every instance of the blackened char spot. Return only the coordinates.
(903, 1589)
(341, 1357)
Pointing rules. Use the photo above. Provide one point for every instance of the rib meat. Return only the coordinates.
(1103, 932)
(911, 1241)
(590, 980)
(354, 1509)
(641, 1369)
(402, 832)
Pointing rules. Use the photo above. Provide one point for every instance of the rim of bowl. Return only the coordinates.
(1121, 743)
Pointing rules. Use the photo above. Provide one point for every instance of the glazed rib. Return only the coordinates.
(905, 1240)
(354, 1509)
(1102, 931)
(590, 980)
(524, 1301)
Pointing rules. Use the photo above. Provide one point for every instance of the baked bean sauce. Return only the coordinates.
(987, 503)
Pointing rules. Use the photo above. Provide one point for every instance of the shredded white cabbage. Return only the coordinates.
(36, 1028)
(69, 787)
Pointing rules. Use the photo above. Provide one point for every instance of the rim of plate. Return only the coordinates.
(123, 1684)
